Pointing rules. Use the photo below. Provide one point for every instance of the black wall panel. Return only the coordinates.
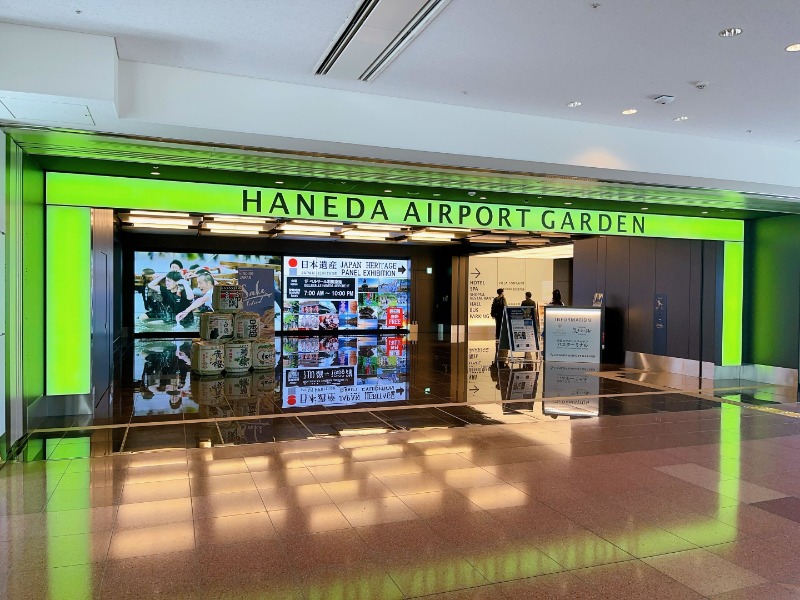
(673, 278)
(642, 289)
(584, 272)
(633, 270)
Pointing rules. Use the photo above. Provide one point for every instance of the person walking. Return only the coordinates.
(498, 308)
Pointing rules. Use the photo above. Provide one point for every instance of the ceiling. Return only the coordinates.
(520, 56)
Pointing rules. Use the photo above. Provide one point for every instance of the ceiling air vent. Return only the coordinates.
(375, 34)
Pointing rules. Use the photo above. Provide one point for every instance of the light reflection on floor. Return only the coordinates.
(581, 484)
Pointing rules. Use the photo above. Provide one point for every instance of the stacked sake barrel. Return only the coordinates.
(232, 340)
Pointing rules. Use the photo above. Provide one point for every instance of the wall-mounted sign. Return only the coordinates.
(129, 193)
(572, 334)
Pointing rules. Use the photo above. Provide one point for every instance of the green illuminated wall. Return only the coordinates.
(24, 288)
(69, 300)
(772, 292)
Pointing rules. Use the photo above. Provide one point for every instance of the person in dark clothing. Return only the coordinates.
(528, 300)
(498, 308)
(556, 301)
(176, 296)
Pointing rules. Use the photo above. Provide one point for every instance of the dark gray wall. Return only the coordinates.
(630, 271)
(102, 302)
(562, 278)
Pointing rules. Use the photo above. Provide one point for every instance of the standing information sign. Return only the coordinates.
(572, 334)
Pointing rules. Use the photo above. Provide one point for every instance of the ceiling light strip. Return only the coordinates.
(356, 22)
(421, 20)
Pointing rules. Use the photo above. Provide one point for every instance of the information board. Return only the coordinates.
(328, 293)
(523, 333)
(572, 334)
(259, 296)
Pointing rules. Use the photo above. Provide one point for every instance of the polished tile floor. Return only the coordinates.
(513, 481)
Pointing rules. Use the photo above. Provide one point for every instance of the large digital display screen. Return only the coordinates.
(172, 289)
(326, 293)
(343, 370)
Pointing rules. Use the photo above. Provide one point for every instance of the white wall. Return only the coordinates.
(515, 275)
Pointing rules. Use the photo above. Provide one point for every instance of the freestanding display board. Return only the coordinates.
(572, 334)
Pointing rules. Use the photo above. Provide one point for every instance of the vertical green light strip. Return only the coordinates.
(69, 300)
(732, 292)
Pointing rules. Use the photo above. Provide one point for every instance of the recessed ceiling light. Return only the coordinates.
(730, 32)
(279, 182)
(437, 194)
(483, 197)
(629, 111)
(567, 203)
(793, 48)
(574, 104)
(388, 191)
(645, 208)
(705, 212)
(154, 173)
(681, 118)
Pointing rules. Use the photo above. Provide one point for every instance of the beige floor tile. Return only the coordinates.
(375, 511)
(147, 514)
(356, 489)
(704, 572)
(146, 541)
(224, 505)
(235, 529)
(309, 519)
(155, 490)
(294, 496)
(222, 484)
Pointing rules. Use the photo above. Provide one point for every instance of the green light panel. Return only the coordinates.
(69, 300)
(732, 304)
(69, 189)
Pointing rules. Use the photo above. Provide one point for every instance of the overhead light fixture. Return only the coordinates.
(215, 226)
(238, 219)
(359, 53)
(364, 235)
(629, 111)
(730, 32)
(159, 213)
(232, 231)
(158, 226)
(532, 242)
(296, 229)
(375, 227)
(574, 104)
(151, 221)
(453, 229)
(311, 222)
(387, 191)
(681, 118)
(482, 198)
(793, 48)
(431, 236)
(645, 208)
(279, 182)
(437, 194)
(489, 239)
(705, 212)
(567, 203)
(154, 173)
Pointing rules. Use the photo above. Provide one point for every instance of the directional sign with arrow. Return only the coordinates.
(476, 273)
(401, 269)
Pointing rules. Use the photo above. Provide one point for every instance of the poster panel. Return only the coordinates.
(329, 293)
(523, 333)
(172, 289)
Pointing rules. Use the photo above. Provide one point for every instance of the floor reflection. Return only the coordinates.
(339, 386)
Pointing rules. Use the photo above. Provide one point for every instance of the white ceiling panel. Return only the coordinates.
(522, 56)
(23, 109)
